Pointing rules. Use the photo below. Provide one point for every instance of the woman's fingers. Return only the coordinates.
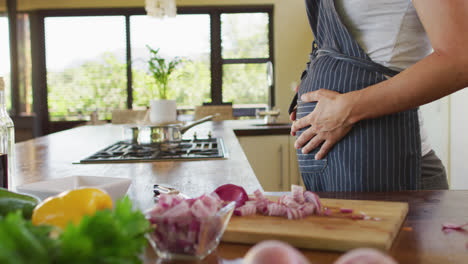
(326, 147)
(304, 137)
(315, 96)
(331, 138)
(302, 122)
(313, 144)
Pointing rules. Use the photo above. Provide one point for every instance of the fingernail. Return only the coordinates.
(317, 157)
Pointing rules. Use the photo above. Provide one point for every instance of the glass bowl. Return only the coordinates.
(188, 238)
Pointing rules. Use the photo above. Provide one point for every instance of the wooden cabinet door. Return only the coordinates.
(269, 157)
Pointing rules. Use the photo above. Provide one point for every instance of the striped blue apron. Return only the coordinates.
(381, 154)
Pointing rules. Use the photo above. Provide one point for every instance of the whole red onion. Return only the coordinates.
(231, 192)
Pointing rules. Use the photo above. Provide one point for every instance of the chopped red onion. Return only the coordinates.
(346, 210)
(179, 210)
(294, 213)
(308, 209)
(290, 202)
(184, 225)
(297, 193)
(169, 200)
(200, 210)
(312, 197)
(357, 217)
(451, 226)
(259, 195)
(275, 209)
(246, 209)
(262, 206)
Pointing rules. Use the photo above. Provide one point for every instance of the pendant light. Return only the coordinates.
(161, 8)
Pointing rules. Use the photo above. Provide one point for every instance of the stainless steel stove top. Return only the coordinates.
(188, 149)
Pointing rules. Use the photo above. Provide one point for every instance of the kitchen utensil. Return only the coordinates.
(159, 189)
(336, 232)
(131, 133)
(170, 136)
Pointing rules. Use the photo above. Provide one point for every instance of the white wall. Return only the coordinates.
(446, 123)
(436, 124)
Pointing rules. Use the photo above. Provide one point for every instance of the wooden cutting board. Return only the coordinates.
(337, 232)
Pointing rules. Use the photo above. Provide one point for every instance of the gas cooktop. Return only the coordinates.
(187, 149)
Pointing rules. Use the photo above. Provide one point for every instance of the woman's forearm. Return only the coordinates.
(434, 77)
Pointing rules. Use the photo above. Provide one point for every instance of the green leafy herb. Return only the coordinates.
(116, 236)
(21, 242)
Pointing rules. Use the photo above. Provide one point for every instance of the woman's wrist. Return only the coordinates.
(356, 112)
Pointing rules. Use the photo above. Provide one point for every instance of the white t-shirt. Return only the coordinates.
(391, 33)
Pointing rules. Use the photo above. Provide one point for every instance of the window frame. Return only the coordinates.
(39, 77)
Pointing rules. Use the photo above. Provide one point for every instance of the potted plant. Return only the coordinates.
(162, 110)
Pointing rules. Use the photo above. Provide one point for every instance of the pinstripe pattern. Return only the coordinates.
(382, 154)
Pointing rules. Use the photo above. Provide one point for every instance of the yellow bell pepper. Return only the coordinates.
(70, 206)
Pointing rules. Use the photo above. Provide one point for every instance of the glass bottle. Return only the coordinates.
(7, 137)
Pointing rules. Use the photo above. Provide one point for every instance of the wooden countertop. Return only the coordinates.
(258, 128)
(422, 241)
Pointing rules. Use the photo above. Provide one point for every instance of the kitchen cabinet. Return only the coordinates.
(273, 159)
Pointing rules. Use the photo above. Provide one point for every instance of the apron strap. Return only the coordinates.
(366, 64)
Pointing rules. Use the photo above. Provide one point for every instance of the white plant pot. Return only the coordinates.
(163, 111)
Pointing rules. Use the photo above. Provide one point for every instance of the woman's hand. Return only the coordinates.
(329, 122)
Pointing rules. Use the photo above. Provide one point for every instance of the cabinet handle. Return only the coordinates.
(281, 166)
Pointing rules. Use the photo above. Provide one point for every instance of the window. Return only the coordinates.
(186, 37)
(5, 57)
(96, 60)
(86, 70)
(240, 43)
(245, 54)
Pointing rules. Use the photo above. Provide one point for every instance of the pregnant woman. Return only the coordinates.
(373, 62)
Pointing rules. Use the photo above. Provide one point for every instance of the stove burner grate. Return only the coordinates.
(188, 149)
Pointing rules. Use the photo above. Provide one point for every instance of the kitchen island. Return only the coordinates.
(421, 239)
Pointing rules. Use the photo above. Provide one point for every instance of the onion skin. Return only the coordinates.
(232, 193)
(365, 256)
(274, 252)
